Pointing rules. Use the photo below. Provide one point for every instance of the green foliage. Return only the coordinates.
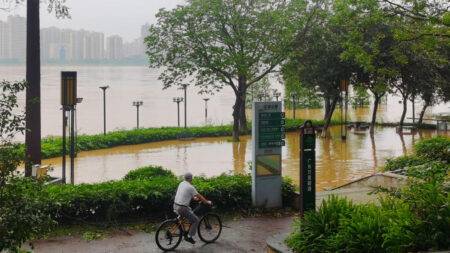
(24, 212)
(148, 172)
(313, 232)
(403, 162)
(144, 196)
(437, 148)
(410, 219)
(360, 98)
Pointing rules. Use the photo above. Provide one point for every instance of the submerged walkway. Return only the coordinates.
(241, 235)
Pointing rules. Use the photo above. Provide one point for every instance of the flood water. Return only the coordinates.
(338, 161)
(141, 83)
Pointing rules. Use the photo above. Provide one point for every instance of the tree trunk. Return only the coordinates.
(242, 113)
(422, 113)
(374, 113)
(239, 118)
(327, 107)
(33, 91)
(329, 116)
(405, 108)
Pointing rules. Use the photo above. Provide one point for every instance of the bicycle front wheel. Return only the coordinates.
(169, 235)
(210, 228)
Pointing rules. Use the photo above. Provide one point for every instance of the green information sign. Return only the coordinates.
(307, 167)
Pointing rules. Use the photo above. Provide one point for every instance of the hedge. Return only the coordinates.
(51, 146)
(146, 196)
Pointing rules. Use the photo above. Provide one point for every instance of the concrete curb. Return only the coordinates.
(275, 244)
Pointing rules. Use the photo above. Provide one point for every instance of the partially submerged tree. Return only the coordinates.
(214, 44)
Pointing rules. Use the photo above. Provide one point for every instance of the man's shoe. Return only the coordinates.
(190, 239)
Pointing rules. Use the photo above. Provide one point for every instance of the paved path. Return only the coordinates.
(243, 235)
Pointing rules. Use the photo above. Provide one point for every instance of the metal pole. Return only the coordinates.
(64, 118)
(72, 146)
(178, 109)
(137, 116)
(185, 106)
(206, 111)
(413, 110)
(104, 111)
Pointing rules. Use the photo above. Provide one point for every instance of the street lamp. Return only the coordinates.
(79, 100)
(178, 100)
(276, 94)
(206, 109)
(104, 88)
(294, 98)
(185, 105)
(137, 104)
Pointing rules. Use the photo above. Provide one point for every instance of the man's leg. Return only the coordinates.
(194, 220)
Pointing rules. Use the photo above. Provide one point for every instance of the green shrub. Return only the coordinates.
(23, 212)
(143, 197)
(148, 172)
(437, 148)
(402, 162)
(315, 232)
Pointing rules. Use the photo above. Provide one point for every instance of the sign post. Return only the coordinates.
(68, 102)
(307, 167)
(267, 139)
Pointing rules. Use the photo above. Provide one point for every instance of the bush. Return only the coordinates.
(23, 212)
(416, 218)
(437, 148)
(314, 233)
(148, 172)
(144, 196)
(403, 162)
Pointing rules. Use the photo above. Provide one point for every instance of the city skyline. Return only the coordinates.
(68, 45)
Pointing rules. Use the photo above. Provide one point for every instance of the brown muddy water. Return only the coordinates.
(131, 83)
(338, 162)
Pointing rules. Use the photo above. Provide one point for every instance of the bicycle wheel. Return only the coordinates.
(169, 235)
(210, 228)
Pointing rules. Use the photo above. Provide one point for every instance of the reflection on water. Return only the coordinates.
(338, 161)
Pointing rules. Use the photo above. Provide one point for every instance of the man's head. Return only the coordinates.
(188, 177)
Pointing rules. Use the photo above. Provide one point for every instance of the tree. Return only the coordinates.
(225, 43)
(33, 75)
(317, 63)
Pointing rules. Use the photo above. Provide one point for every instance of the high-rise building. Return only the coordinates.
(4, 40)
(17, 30)
(114, 47)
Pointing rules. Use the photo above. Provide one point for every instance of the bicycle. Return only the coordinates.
(171, 231)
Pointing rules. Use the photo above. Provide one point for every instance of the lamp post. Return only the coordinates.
(79, 100)
(343, 86)
(206, 109)
(137, 104)
(178, 100)
(104, 88)
(185, 105)
(294, 97)
(276, 94)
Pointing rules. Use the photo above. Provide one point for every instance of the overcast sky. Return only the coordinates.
(122, 17)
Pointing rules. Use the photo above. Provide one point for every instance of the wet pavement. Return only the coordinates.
(241, 235)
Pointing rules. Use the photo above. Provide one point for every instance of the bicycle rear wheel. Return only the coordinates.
(210, 228)
(169, 235)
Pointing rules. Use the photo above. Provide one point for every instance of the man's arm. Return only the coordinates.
(200, 197)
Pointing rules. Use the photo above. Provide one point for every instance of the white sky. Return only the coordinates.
(121, 17)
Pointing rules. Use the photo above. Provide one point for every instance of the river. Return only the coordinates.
(128, 84)
(338, 162)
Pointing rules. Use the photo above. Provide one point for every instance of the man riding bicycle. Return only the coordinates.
(185, 193)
